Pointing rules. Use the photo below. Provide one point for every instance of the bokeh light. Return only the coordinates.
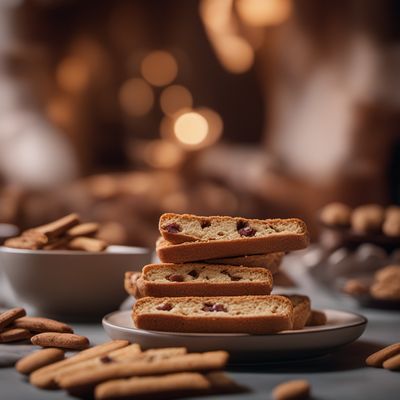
(215, 124)
(136, 97)
(163, 154)
(235, 53)
(191, 128)
(73, 74)
(59, 111)
(159, 68)
(264, 12)
(174, 98)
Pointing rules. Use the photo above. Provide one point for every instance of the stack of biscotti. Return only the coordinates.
(216, 275)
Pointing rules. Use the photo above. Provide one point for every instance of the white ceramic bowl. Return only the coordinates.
(72, 284)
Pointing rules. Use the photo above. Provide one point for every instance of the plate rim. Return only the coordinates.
(363, 321)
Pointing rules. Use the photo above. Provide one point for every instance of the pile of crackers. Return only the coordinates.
(67, 233)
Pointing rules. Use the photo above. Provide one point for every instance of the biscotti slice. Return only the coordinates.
(191, 251)
(163, 280)
(221, 314)
(271, 261)
(301, 309)
(130, 283)
(180, 228)
(228, 237)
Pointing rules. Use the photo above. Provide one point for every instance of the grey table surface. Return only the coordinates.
(341, 375)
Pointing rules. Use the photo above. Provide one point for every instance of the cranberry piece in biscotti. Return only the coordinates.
(173, 228)
(164, 307)
(245, 229)
(175, 278)
(193, 273)
(235, 278)
(205, 224)
(106, 359)
(210, 307)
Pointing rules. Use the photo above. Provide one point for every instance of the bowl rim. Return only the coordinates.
(116, 250)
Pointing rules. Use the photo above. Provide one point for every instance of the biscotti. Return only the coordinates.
(213, 252)
(163, 280)
(301, 309)
(232, 236)
(229, 314)
(130, 283)
(271, 261)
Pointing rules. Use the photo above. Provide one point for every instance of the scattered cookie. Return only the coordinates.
(38, 359)
(9, 316)
(393, 363)
(87, 379)
(60, 340)
(367, 218)
(378, 358)
(186, 383)
(38, 324)
(292, 390)
(336, 214)
(386, 285)
(355, 287)
(45, 377)
(14, 335)
(391, 226)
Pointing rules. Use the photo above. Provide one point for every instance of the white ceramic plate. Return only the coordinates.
(341, 328)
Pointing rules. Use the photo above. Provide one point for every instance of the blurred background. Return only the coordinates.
(121, 110)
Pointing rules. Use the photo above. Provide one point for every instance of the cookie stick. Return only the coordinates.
(123, 354)
(190, 362)
(185, 382)
(61, 340)
(44, 377)
(39, 324)
(9, 316)
(38, 359)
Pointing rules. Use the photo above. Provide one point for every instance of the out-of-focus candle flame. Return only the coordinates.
(260, 13)
(191, 128)
(159, 68)
(136, 97)
(174, 98)
(163, 154)
(233, 51)
(59, 111)
(73, 74)
(215, 124)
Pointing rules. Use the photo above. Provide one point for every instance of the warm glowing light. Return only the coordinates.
(215, 124)
(235, 53)
(163, 154)
(72, 74)
(264, 12)
(159, 68)
(216, 14)
(174, 98)
(59, 111)
(136, 97)
(191, 128)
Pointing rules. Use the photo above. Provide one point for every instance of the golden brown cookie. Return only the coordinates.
(38, 359)
(61, 340)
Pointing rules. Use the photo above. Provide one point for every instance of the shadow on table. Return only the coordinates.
(349, 357)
